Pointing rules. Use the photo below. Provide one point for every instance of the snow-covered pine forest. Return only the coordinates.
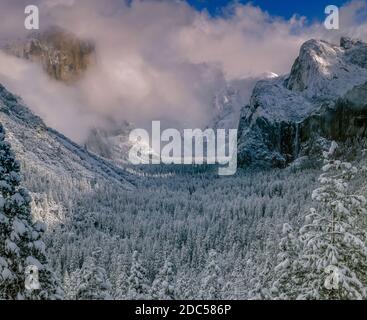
(186, 233)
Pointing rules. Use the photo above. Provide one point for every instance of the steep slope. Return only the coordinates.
(41, 147)
(292, 115)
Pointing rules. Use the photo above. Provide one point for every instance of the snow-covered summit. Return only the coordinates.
(327, 71)
(323, 72)
(277, 117)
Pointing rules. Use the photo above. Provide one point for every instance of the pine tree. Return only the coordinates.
(286, 271)
(69, 286)
(163, 287)
(234, 286)
(120, 277)
(121, 286)
(251, 273)
(22, 252)
(212, 281)
(185, 287)
(138, 285)
(94, 283)
(260, 284)
(335, 250)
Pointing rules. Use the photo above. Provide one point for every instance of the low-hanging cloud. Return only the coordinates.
(156, 60)
(60, 106)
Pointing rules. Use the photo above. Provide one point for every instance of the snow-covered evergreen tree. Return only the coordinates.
(212, 282)
(335, 246)
(121, 286)
(24, 270)
(94, 283)
(261, 283)
(163, 287)
(138, 284)
(185, 287)
(69, 285)
(234, 285)
(119, 277)
(286, 271)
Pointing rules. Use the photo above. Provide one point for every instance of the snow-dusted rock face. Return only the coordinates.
(42, 148)
(324, 97)
(62, 55)
(228, 102)
(326, 71)
(112, 143)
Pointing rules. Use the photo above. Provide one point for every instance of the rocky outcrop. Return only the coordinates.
(62, 55)
(323, 98)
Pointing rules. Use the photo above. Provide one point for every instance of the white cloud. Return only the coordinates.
(158, 60)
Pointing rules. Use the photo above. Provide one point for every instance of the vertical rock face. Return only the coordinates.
(324, 97)
(62, 55)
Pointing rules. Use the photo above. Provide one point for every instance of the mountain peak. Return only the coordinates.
(293, 115)
(62, 54)
(314, 60)
(323, 69)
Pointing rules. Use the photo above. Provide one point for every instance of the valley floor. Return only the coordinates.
(188, 216)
